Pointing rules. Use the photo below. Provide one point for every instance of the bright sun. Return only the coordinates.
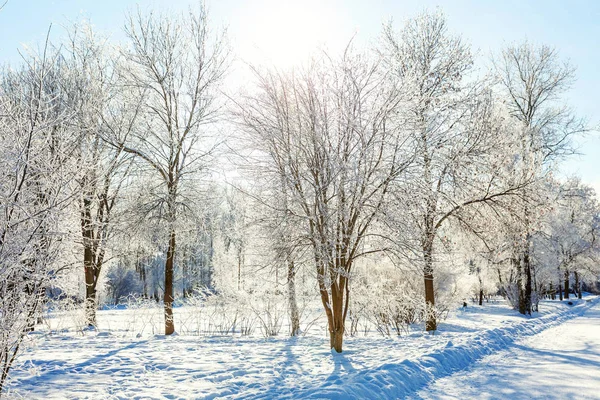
(287, 32)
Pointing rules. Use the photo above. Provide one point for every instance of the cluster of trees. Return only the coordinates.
(363, 172)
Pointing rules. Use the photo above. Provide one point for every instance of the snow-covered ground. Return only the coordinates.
(113, 364)
(562, 362)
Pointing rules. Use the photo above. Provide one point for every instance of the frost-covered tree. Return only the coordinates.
(461, 142)
(567, 245)
(176, 66)
(35, 178)
(532, 79)
(327, 134)
(98, 107)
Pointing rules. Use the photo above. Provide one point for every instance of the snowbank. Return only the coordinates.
(398, 380)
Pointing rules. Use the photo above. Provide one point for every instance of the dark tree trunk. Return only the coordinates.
(502, 289)
(560, 286)
(336, 305)
(480, 297)
(90, 289)
(528, 281)
(168, 300)
(338, 300)
(577, 285)
(142, 268)
(521, 293)
(431, 323)
(91, 269)
(209, 265)
(567, 284)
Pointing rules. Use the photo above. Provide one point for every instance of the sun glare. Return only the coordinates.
(287, 32)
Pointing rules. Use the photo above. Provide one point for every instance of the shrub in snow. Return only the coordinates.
(271, 310)
(396, 306)
(63, 314)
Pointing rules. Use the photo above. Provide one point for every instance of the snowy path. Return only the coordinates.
(562, 362)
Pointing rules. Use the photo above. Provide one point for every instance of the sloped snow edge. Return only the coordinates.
(398, 380)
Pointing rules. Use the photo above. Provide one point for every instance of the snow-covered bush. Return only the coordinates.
(270, 307)
(388, 301)
(64, 314)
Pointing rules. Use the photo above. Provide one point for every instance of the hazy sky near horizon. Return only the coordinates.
(284, 32)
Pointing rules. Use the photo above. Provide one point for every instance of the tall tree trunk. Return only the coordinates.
(521, 291)
(168, 300)
(528, 282)
(431, 323)
(336, 329)
(88, 261)
(90, 287)
(480, 286)
(577, 285)
(293, 305)
(567, 284)
(336, 305)
(502, 288)
(336, 339)
(144, 279)
(209, 270)
(339, 301)
(560, 286)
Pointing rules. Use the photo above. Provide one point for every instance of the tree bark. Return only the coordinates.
(293, 305)
(431, 323)
(567, 284)
(521, 291)
(560, 286)
(528, 283)
(577, 285)
(239, 273)
(168, 299)
(88, 262)
(90, 287)
(336, 339)
(335, 305)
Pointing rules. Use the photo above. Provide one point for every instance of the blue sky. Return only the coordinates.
(283, 30)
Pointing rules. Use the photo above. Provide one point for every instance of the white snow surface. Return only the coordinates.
(110, 365)
(562, 362)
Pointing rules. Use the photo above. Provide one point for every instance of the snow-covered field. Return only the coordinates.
(113, 364)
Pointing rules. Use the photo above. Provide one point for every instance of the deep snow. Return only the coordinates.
(113, 365)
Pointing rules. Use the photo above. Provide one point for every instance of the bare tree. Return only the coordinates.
(93, 99)
(328, 134)
(460, 140)
(533, 78)
(176, 66)
(34, 189)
